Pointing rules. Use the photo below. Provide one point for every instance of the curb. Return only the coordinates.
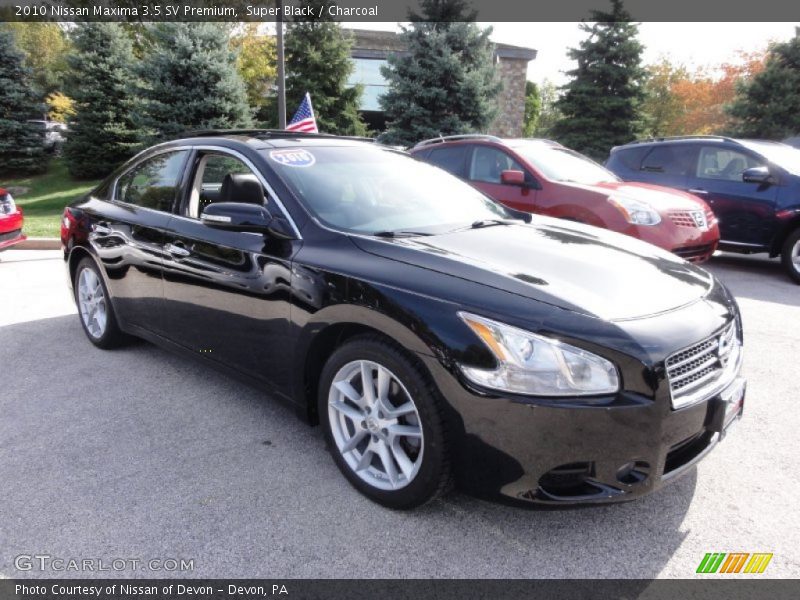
(39, 243)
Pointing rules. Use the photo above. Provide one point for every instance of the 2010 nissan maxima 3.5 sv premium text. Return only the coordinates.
(436, 336)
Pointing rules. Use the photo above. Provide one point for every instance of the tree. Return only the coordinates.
(680, 102)
(102, 132)
(21, 145)
(45, 46)
(60, 107)
(769, 105)
(445, 84)
(190, 81)
(318, 61)
(548, 112)
(662, 107)
(533, 106)
(601, 104)
(256, 63)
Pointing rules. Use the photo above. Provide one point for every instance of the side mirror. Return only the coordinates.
(240, 216)
(757, 175)
(510, 177)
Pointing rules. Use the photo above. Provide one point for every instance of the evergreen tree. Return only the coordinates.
(600, 107)
(769, 105)
(102, 132)
(21, 144)
(318, 61)
(446, 83)
(190, 81)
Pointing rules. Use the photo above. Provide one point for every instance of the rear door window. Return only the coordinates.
(668, 160)
(154, 182)
(450, 158)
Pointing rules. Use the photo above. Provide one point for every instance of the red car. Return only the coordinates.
(544, 177)
(10, 221)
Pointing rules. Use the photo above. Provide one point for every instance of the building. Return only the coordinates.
(372, 48)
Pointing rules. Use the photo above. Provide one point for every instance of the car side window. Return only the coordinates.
(667, 160)
(154, 182)
(450, 158)
(222, 178)
(488, 163)
(724, 164)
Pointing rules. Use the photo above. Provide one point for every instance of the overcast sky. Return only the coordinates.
(693, 44)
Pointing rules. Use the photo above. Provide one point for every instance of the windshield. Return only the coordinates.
(783, 155)
(366, 189)
(561, 164)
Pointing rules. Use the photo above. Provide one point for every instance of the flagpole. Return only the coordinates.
(281, 69)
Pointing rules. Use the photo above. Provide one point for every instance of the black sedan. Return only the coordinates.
(436, 336)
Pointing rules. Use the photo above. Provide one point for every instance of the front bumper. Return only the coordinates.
(557, 454)
(11, 230)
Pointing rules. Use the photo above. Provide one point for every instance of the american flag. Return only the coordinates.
(303, 119)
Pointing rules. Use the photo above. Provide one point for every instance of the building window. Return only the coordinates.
(367, 72)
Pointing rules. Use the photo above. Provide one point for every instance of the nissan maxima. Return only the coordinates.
(437, 337)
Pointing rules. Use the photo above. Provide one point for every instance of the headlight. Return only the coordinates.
(7, 205)
(634, 211)
(536, 365)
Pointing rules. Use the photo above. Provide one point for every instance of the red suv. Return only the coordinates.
(10, 221)
(544, 177)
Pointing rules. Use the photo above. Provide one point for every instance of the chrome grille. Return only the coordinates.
(692, 369)
(689, 218)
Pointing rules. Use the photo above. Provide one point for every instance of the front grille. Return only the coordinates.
(10, 235)
(696, 219)
(694, 253)
(691, 370)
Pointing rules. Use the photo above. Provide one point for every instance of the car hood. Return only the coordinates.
(577, 267)
(659, 197)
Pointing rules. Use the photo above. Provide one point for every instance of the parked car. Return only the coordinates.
(544, 177)
(753, 187)
(11, 221)
(434, 334)
(53, 134)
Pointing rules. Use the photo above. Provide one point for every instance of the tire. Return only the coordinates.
(100, 325)
(790, 256)
(411, 437)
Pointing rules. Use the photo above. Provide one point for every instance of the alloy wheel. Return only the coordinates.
(375, 425)
(795, 256)
(92, 303)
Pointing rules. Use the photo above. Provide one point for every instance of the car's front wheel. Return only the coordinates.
(94, 307)
(790, 257)
(383, 424)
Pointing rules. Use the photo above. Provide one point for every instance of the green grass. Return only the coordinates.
(46, 197)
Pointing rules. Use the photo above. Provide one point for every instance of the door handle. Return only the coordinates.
(698, 191)
(177, 250)
(101, 229)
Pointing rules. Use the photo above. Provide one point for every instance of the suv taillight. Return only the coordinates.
(7, 205)
(68, 222)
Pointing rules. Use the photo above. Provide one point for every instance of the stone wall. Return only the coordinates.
(511, 100)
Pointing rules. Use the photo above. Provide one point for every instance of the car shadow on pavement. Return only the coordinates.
(141, 453)
(756, 277)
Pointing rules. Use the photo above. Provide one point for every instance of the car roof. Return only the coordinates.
(477, 138)
(264, 138)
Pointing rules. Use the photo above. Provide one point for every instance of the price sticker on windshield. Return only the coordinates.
(293, 157)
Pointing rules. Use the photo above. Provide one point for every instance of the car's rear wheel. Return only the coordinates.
(383, 424)
(790, 257)
(94, 307)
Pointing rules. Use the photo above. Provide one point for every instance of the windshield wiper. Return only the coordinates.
(488, 223)
(399, 233)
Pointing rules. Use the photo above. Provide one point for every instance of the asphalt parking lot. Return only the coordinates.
(139, 454)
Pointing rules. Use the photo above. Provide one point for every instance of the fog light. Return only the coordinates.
(633, 472)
